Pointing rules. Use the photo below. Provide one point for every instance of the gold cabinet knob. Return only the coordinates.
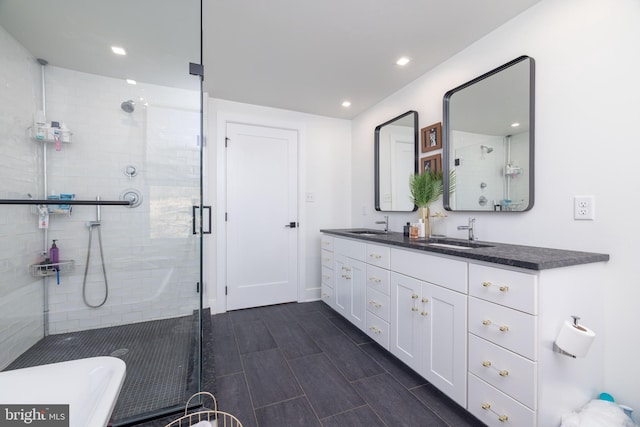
(425, 300)
(414, 296)
(504, 373)
(486, 406)
(486, 322)
(425, 313)
(504, 329)
(414, 308)
(486, 284)
(503, 418)
(486, 364)
(504, 289)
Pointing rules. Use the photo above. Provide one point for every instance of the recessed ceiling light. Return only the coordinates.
(118, 50)
(515, 125)
(403, 61)
(346, 104)
(131, 81)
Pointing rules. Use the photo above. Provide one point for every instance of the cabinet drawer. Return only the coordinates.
(326, 258)
(507, 371)
(378, 255)
(326, 242)
(350, 248)
(495, 408)
(514, 330)
(378, 303)
(326, 294)
(378, 279)
(509, 288)
(327, 276)
(446, 272)
(378, 330)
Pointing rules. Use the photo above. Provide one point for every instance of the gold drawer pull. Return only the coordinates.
(425, 313)
(486, 284)
(414, 308)
(376, 256)
(374, 279)
(486, 322)
(504, 373)
(347, 269)
(504, 329)
(425, 300)
(414, 296)
(375, 304)
(486, 406)
(486, 364)
(503, 418)
(375, 330)
(504, 289)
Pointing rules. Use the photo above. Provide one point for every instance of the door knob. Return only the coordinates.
(292, 224)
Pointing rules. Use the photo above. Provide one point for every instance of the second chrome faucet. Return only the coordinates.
(472, 222)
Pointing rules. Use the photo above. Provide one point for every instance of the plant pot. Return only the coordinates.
(423, 213)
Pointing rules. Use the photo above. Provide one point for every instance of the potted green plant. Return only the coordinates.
(425, 189)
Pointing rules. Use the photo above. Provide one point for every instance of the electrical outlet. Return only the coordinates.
(583, 208)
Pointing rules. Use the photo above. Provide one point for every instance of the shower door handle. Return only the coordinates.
(206, 226)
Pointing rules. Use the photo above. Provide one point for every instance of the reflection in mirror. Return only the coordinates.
(489, 140)
(396, 159)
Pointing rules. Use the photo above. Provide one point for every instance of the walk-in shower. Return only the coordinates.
(130, 268)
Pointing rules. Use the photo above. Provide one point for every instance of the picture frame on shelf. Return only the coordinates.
(431, 137)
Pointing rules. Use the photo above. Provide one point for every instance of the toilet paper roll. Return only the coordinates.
(575, 339)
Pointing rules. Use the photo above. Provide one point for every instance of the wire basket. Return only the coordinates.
(206, 417)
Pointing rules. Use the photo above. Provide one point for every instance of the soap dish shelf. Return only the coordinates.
(43, 270)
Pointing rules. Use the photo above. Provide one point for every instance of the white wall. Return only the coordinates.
(587, 142)
(324, 166)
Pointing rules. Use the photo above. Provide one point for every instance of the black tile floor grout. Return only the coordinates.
(431, 405)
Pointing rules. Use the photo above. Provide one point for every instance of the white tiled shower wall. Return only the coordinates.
(21, 296)
(151, 256)
(150, 253)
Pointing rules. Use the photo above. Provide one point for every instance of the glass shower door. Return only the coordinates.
(102, 154)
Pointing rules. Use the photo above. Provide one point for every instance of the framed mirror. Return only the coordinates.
(395, 160)
(488, 140)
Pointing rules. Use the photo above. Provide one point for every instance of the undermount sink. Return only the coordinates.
(367, 232)
(454, 244)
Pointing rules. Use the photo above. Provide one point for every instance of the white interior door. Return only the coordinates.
(261, 208)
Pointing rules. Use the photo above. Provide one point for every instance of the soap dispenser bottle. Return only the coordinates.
(54, 255)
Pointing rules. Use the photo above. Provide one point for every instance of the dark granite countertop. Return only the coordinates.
(528, 257)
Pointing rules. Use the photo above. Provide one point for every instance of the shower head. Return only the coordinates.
(128, 106)
(486, 149)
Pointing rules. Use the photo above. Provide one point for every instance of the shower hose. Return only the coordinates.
(86, 269)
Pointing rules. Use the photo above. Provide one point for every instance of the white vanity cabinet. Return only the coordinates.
(480, 330)
(429, 319)
(515, 376)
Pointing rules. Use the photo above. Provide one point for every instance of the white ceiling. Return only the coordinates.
(300, 55)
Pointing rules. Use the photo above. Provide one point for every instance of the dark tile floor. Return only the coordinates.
(304, 365)
(159, 355)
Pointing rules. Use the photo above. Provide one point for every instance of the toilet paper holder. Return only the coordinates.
(583, 350)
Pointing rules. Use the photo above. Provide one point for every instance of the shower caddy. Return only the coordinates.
(214, 417)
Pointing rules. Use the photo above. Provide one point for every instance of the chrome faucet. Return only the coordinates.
(472, 222)
(385, 222)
